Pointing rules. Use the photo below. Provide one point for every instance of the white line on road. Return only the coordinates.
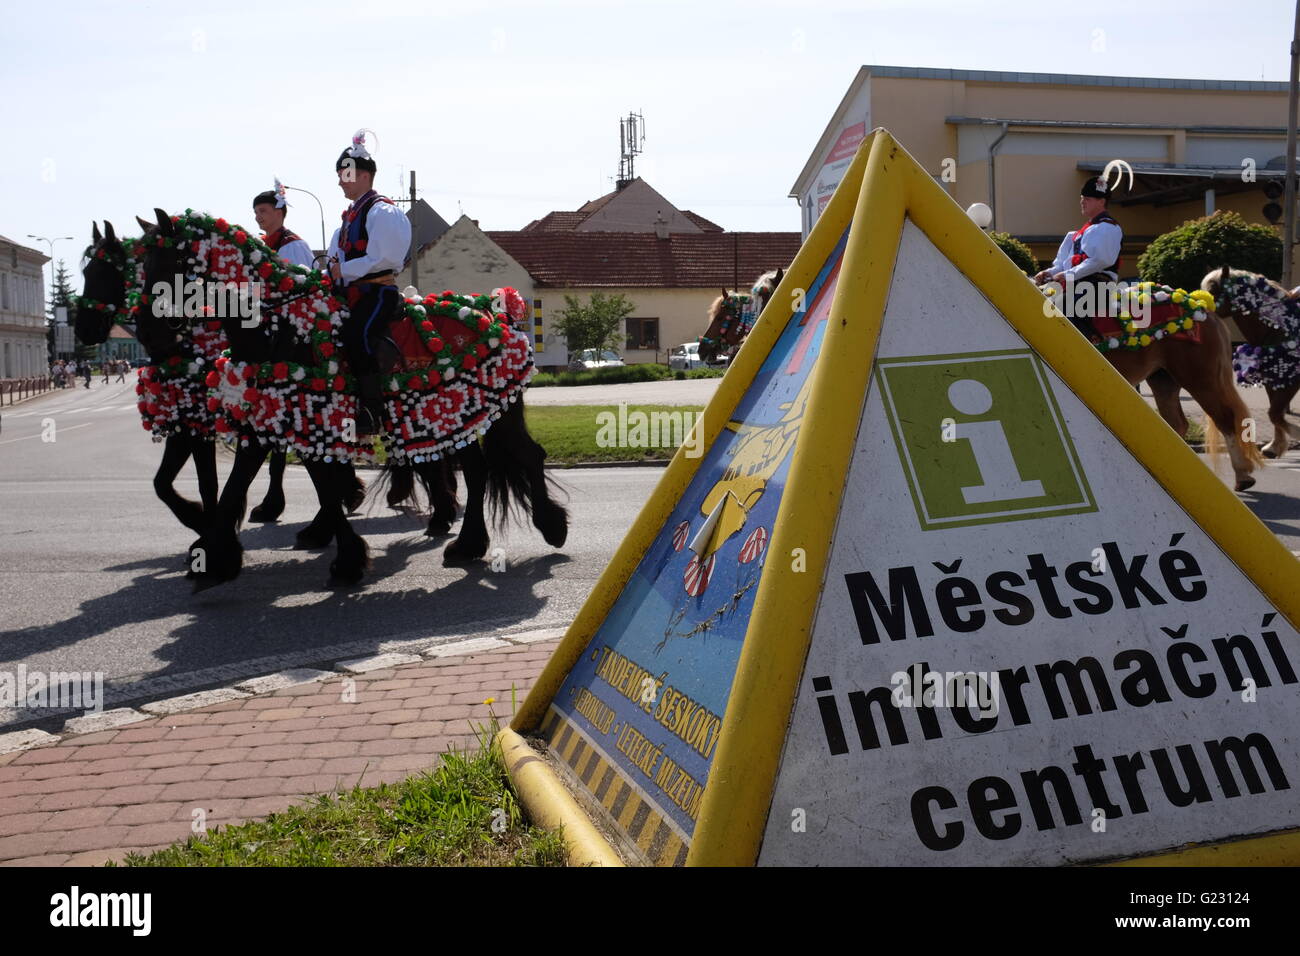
(69, 428)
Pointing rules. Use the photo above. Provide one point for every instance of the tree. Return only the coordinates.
(1182, 257)
(1016, 251)
(595, 325)
(60, 295)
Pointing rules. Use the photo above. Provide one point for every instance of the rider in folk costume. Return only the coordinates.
(1090, 255)
(366, 253)
(270, 208)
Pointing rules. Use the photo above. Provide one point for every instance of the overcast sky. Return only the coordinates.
(508, 110)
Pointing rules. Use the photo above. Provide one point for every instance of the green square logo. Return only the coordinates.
(981, 439)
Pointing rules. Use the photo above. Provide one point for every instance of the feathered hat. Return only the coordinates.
(1101, 187)
(357, 156)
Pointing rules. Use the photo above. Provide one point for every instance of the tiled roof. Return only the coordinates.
(700, 221)
(642, 260)
(556, 222)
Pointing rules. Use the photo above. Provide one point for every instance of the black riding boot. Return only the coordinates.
(370, 405)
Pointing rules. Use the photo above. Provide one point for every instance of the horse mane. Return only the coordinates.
(1268, 300)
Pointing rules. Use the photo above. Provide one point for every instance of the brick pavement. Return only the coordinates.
(94, 797)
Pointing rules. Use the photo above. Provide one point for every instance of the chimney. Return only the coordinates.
(661, 225)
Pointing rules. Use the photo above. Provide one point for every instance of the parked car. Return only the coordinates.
(687, 356)
(594, 358)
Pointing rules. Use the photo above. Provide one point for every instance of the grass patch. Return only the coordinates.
(461, 814)
(620, 374)
(569, 433)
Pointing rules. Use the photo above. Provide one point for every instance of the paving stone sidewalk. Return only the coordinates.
(92, 797)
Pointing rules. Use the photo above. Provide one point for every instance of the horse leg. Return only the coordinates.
(272, 505)
(333, 483)
(472, 542)
(402, 484)
(204, 453)
(1165, 391)
(176, 451)
(218, 556)
(1227, 412)
(1278, 400)
(354, 489)
(436, 476)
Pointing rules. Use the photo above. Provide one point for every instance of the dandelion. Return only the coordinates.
(489, 702)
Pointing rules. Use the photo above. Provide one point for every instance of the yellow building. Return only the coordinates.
(1025, 142)
(23, 349)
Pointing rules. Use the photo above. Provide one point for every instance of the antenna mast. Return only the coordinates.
(631, 141)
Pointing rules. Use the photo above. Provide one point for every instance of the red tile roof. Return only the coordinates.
(700, 221)
(642, 260)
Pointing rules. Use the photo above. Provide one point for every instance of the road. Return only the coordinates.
(92, 571)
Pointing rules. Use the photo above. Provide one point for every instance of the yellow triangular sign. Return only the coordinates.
(953, 595)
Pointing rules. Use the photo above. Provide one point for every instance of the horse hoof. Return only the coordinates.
(1245, 483)
(267, 511)
(437, 527)
(312, 539)
(459, 555)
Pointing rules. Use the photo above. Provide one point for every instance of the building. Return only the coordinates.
(671, 263)
(23, 347)
(1025, 142)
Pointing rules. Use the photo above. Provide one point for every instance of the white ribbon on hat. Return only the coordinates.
(358, 148)
(1119, 167)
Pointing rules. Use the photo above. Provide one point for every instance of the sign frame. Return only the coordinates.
(882, 189)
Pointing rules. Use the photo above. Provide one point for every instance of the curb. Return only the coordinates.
(30, 739)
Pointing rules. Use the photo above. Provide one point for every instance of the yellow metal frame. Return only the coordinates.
(882, 187)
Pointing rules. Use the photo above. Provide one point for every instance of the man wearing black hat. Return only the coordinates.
(366, 254)
(270, 208)
(1089, 256)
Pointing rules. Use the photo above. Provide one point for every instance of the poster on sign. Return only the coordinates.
(942, 590)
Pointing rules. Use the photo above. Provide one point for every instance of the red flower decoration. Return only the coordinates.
(280, 370)
(318, 384)
(483, 323)
(214, 404)
(265, 270)
(447, 293)
(250, 394)
(481, 350)
(221, 225)
(323, 325)
(426, 325)
(414, 382)
(214, 326)
(470, 363)
(286, 284)
(241, 237)
(250, 372)
(339, 384)
(435, 378)
(435, 345)
(326, 349)
(212, 380)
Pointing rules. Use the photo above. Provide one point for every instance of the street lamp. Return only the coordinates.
(299, 189)
(54, 318)
(980, 214)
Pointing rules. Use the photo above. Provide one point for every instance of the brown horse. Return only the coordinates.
(733, 314)
(1269, 318)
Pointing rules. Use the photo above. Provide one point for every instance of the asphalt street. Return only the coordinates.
(92, 565)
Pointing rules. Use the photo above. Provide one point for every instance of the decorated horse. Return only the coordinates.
(1269, 318)
(733, 314)
(171, 389)
(459, 378)
(1174, 339)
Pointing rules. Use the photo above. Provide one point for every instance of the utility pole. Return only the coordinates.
(415, 238)
(1289, 201)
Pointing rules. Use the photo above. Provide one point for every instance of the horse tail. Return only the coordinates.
(1216, 442)
(516, 480)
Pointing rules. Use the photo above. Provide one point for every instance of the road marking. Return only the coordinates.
(9, 441)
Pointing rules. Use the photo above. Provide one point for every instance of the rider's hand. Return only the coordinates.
(335, 272)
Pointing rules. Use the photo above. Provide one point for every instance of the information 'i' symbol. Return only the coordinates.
(988, 443)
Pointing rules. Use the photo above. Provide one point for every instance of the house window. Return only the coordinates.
(643, 333)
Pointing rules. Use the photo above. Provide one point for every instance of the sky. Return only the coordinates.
(509, 110)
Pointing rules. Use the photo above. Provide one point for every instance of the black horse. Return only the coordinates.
(506, 468)
(103, 299)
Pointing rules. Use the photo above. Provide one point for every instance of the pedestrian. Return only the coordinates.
(121, 370)
(86, 371)
(365, 255)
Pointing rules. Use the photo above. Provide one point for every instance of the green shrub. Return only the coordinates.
(1016, 251)
(1181, 258)
(618, 374)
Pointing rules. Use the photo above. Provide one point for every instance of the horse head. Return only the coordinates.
(764, 288)
(104, 286)
(726, 330)
(1263, 310)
